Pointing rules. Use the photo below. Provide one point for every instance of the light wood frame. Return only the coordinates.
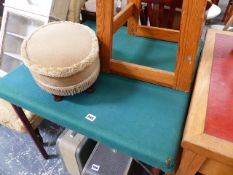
(193, 12)
(202, 152)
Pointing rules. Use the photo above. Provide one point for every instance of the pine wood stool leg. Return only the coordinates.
(31, 131)
(104, 29)
(190, 163)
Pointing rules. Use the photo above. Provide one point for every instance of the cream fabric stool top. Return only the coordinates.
(63, 57)
(9, 118)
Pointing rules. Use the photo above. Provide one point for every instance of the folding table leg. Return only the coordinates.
(38, 135)
(31, 131)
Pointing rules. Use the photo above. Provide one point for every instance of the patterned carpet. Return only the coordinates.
(19, 155)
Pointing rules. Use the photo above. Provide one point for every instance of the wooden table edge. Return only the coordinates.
(194, 138)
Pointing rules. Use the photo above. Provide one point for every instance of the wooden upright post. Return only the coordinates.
(133, 20)
(193, 12)
(104, 21)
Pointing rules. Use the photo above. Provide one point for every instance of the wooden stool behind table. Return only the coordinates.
(187, 38)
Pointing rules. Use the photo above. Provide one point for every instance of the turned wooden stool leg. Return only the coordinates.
(91, 89)
(57, 98)
(31, 131)
(190, 163)
(155, 171)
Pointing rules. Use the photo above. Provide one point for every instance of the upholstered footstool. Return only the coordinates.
(63, 57)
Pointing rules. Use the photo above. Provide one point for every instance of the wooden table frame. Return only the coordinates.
(203, 152)
(193, 12)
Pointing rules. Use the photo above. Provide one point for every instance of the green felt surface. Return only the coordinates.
(143, 51)
(142, 120)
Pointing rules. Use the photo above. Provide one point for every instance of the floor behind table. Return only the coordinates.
(19, 155)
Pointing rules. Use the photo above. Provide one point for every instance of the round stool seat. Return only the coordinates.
(63, 57)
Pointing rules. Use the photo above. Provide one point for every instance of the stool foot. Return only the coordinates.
(91, 89)
(155, 171)
(57, 98)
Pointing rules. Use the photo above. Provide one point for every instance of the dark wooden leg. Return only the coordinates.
(91, 89)
(38, 135)
(151, 14)
(155, 171)
(31, 131)
(57, 98)
(171, 15)
(229, 12)
(215, 1)
(143, 15)
(161, 14)
(209, 4)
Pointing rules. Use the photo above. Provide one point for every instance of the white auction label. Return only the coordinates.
(95, 167)
(90, 117)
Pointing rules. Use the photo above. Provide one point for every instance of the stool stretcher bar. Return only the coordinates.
(148, 74)
(121, 18)
(158, 33)
(187, 38)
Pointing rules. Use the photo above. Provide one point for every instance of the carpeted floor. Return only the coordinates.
(19, 155)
